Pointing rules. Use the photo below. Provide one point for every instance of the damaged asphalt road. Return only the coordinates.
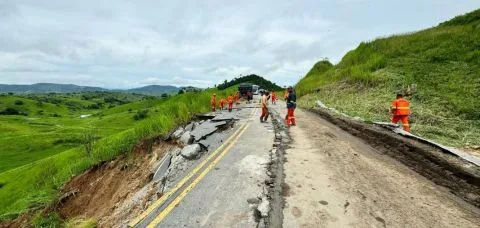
(226, 184)
(234, 171)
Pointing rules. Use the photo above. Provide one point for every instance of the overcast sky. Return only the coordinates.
(125, 43)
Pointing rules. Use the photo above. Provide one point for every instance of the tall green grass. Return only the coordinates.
(441, 63)
(38, 183)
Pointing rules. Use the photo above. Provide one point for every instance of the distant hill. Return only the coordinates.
(155, 89)
(70, 88)
(47, 87)
(254, 79)
(437, 68)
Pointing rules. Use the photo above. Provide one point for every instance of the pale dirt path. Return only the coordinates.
(335, 180)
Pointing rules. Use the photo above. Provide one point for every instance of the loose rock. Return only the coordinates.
(191, 151)
(185, 138)
(178, 133)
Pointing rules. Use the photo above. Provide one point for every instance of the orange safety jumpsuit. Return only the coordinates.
(401, 110)
(236, 97)
(222, 103)
(213, 102)
(274, 97)
(230, 103)
(264, 115)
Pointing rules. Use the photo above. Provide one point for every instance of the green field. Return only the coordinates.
(438, 68)
(44, 144)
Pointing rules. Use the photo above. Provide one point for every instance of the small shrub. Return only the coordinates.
(140, 115)
(18, 102)
(1, 185)
(56, 115)
(88, 140)
(52, 220)
(94, 106)
(12, 111)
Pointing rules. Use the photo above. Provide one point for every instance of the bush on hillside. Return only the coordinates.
(18, 102)
(12, 111)
(140, 115)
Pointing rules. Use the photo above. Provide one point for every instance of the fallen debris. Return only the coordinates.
(187, 138)
(225, 116)
(205, 129)
(191, 151)
(178, 133)
(162, 167)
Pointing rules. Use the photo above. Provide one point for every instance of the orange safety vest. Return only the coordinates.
(230, 99)
(401, 107)
(274, 95)
(223, 101)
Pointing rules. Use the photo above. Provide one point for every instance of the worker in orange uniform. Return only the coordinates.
(222, 103)
(230, 103)
(213, 102)
(274, 97)
(291, 105)
(285, 94)
(236, 97)
(264, 105)
(400, 110)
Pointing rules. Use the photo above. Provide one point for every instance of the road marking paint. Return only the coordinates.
(182, 182)
(184, 193)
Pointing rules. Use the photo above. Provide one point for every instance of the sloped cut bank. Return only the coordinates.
(459, 176)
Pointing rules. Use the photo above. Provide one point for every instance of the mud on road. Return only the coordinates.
(340, 173)
(459, 176)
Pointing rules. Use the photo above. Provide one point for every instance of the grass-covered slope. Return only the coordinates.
(40, 152)
(438, 67)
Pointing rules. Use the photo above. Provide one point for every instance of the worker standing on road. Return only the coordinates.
(230, 103)
(213, 102)
(400, 110)
(285, 94)
(236, 97)
(274, 97)
(222, 103)
(264, 105)
(291, 105)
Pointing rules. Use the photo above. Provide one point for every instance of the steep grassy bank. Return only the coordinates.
(37, 183)
(438, 68)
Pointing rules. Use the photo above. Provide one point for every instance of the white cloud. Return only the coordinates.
(126, 44)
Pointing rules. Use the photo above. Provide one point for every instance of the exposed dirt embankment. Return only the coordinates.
(460, 177)
(100, 192)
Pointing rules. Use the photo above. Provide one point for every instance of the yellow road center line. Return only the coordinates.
(184, 193)
(167, 195)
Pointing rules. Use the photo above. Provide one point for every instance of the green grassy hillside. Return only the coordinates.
(40, 151)
(439, 69)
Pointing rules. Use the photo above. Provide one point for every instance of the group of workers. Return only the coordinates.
(223, 102)
(290, 99)
(400, 107)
